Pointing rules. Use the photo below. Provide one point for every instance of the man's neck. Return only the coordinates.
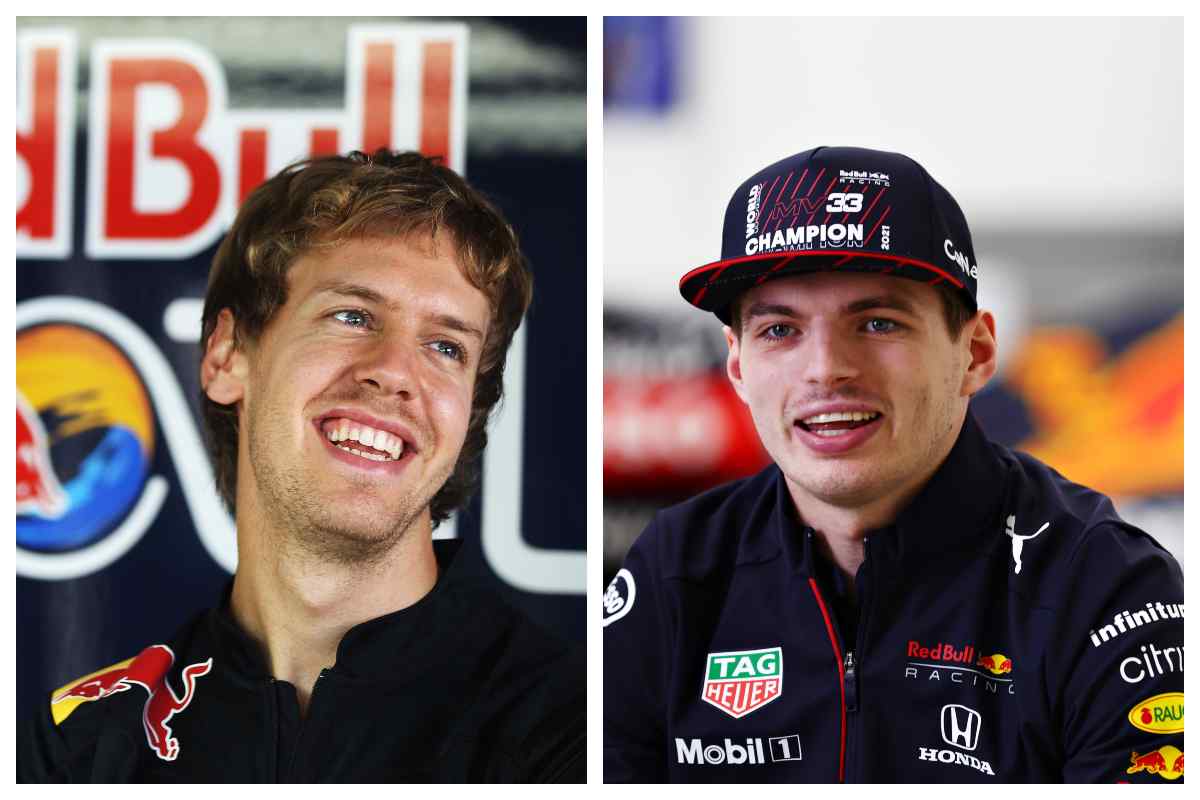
(840, 531)
(841, 527)
(298, 608)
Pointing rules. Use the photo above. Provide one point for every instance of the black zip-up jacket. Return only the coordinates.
(457, 687)
(1009, 627)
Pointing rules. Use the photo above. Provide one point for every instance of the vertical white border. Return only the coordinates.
(595, 396)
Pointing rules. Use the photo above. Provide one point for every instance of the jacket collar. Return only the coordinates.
(960, 505)
(384, 648)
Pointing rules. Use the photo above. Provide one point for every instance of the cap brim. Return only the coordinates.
(713, 287)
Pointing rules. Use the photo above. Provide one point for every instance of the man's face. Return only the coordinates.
(816, 348)
(375, 351)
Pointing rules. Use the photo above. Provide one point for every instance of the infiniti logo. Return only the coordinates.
(960, 726)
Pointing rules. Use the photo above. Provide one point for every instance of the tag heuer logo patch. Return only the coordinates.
(742, 681)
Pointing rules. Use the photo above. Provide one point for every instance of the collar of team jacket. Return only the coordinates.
(960, 505)
(394, 647)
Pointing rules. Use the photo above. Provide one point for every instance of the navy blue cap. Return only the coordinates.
(837, 208)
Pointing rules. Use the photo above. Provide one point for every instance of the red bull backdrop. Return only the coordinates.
(136, 141)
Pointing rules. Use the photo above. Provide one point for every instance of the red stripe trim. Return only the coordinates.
(846, 216)
(815, 181)
(871, 207)
(782, 189)
(824, 197)
(762, 204)
(775, 268)
(837, 654)
(878, 222)
(900, 261)
(797, 187)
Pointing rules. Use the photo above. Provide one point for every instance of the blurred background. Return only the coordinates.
(136, 139)
(1062, 140)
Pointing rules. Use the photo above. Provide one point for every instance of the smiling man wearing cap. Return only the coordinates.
(895, 598)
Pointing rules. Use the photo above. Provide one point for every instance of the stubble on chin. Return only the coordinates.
(309, 525)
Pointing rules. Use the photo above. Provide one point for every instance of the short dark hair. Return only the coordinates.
(955, 310)
(324, 201)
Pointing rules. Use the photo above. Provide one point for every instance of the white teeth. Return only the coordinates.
(345, 431)
(841, 416)
(371, 456)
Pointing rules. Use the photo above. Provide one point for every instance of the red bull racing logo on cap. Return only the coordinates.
(742, 681)
(1166, 762)
(149, 671)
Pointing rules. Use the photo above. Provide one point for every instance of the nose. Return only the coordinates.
(827, 359)
(388, 367)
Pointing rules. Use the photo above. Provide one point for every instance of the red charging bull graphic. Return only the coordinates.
(149, 671)
(1165, 762)
(38, 489)
(997, 664)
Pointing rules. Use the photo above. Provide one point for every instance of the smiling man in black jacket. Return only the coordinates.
(896, 598)
(355, 329)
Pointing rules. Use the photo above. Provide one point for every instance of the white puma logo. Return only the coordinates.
(1019, 541)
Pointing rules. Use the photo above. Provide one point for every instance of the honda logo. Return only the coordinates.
(960, 726)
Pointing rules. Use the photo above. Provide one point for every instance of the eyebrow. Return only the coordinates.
(892, 301)
(370, 295)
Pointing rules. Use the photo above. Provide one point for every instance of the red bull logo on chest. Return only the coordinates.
(1166, 762)
(742, 681)
(149, 671)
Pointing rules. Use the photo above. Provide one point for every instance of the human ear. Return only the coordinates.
(733, 364)
(223, 369)
(982, 350)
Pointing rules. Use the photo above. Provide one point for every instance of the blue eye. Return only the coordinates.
(353, 317)
(880, 325)
(778, 331)
(450, 350)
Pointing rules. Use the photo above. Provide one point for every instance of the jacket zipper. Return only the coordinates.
(841, 668)
(273, 715)
(304, 725)
(854, 656)
(848, 665)
(851, 682)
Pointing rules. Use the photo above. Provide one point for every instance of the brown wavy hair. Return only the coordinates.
(324, 201)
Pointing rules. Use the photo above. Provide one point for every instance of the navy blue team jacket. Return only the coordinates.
(1009, 627)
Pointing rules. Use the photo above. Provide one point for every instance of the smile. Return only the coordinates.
(834, 433)
(363, 440)
(837, 423)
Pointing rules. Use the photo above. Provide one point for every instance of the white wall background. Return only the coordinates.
(1042, 128)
